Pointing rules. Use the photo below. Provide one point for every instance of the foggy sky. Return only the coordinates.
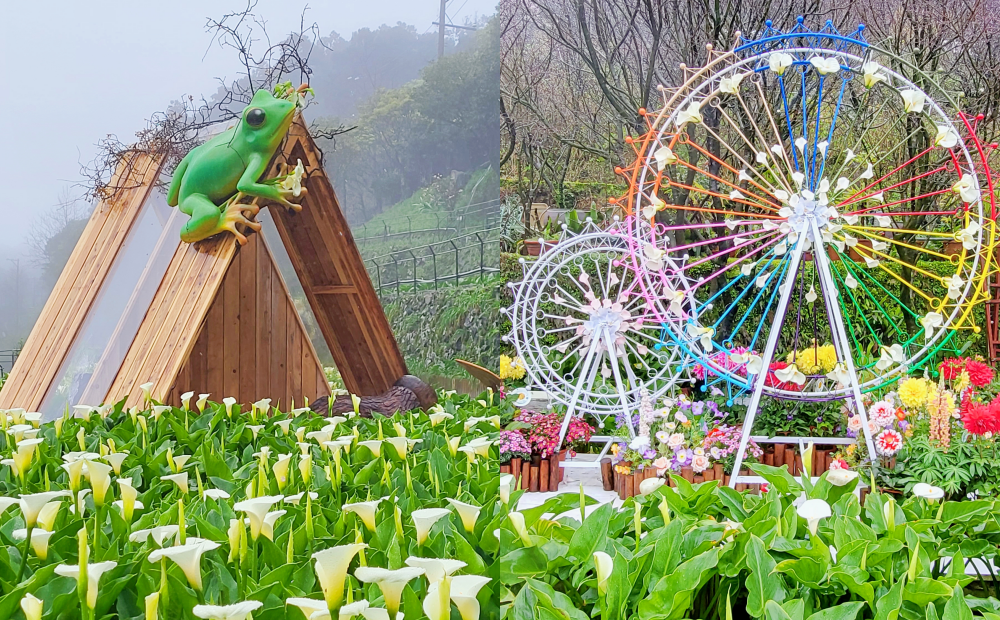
(75, 71)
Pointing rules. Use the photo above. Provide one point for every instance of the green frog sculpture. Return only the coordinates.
(213, 177)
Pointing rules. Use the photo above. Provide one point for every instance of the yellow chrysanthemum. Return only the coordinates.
(814, 360)
(511, 368)
(912, 392)
(961, 382)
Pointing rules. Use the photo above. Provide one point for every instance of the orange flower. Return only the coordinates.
(900, 414)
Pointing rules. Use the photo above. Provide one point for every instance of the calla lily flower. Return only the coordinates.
(840, 374)
(825, 66)
(400, 444)
(267, 526)
(440, 416)
(100, 480)
(967, 189)
(506, 486)
(257, 508)
(280, 469)
(650, 485)
(664, 156)
(365, 511)
(152, 605)
(913, 100)
(202, 401)
(813, 510)
(790, 374)
(374, 445)
(889, 356)
(928, 491)
(464, 590)
(321, 436)
(255, 428)
(47, 515)
(283, 425)
(129, 495)
(872, 73)
(263, 406)
(236, 611)
(80, 503)
(468, 513)
(840, 477)
(691, 114)
(603, 565)
(331, 570)
(453, 445)
(308, 606)
(930, 322)
(390, 582)
(946, 137)
(215, 494)
(517, 521)
(377, 613)
(147, 390)
(424, 519)
(730, 85)
(955, 284)
(39, 540)
(968, 234)
(295, 499)
(115, 460)
(437, 603)
(159, 410)
(159, 534)
(186, 400)
(229, 401)
(94, 573)
(780, 61)
(32, 607)
(187, 557)
(32, 504)
(24, 453)
(436, 569)
(181, 480)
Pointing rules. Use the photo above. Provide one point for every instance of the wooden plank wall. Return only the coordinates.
(252, 343)
(333, 275)
(77, 287)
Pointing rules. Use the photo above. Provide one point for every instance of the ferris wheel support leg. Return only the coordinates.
(613, 354)
(570, 408)
(840, 333)
(768, 355)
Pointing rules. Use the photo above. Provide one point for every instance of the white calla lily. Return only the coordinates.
(664, 156)
(236, 611)
(187, 557)
(931, 321)
(872, 73)
(967, 188)
(813, 510)
(840, 477)
(468, 513)
(946, 137)
(39, 540)
(691, 114)
(464, 592)
(390, 582)
(256, 509)
(928, 491)
(790, 374)
(913, 100)
(424, 519)
(603, 565)
(780, 61)
(94, 574)
(331, 570)
(366, 511)
(825, 66)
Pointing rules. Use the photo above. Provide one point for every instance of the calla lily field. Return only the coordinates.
(215, 512)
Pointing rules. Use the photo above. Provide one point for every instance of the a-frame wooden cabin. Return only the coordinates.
(135, 305)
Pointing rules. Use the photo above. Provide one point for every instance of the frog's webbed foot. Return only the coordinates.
(287, 195)
(236, 213)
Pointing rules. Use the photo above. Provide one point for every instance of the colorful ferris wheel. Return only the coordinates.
(814, 209)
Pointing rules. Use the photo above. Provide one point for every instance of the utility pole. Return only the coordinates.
(442, 21)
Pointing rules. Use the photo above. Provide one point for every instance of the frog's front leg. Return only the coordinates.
(249, 185)
(207, 219)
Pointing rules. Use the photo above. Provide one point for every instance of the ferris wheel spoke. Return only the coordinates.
(753, 122)
(764, 203)
(748, 167)
(857, 306)
(830, 134)
(857, 197)
(774, 241)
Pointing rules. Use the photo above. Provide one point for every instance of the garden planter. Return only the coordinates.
(952, 248)
(607, 474)
(627, 485)
(536, 247)
(857, 256)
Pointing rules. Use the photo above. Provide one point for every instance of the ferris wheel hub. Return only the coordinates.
(805, 208)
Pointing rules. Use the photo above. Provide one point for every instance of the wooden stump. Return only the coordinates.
(607, 474)
(525, 475)
(505, 468)
(515, 468)
(544, 471)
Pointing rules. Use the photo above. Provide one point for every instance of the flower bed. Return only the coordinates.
(212, 512)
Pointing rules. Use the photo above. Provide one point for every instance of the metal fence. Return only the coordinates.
(461, 259)
(483, 215)
(7, 359)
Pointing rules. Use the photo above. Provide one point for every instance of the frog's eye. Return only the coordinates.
(255, 117)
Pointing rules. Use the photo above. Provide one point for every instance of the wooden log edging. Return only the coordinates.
(536, 475)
